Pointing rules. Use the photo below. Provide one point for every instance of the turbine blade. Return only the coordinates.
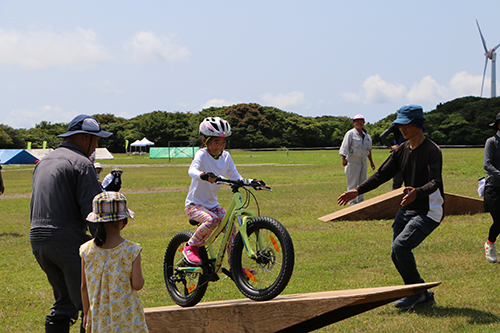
(495, 48)
(482, 38)
(484, 73)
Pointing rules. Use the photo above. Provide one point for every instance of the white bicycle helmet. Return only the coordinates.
(215, 126)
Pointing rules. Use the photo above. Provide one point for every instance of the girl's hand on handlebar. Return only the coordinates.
(209, 177)
(253, 182)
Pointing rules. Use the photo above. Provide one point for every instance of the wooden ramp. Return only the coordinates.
(386, 206)
(286, 313)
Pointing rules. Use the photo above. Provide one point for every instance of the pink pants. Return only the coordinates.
(210, 220)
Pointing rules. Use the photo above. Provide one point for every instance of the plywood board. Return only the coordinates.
(386, 206)
(285, 312)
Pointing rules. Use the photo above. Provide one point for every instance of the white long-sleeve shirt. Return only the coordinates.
(202, 192)
(354, 147)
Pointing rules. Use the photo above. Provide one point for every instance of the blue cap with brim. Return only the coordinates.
(409, 113)
(85, 124)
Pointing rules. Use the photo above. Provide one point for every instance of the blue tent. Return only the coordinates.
(16, 156)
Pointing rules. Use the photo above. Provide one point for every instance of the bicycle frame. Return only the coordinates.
(236, 212)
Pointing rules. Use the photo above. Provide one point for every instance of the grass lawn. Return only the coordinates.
(329, 256)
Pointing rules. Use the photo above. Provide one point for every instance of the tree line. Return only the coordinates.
(463, 121)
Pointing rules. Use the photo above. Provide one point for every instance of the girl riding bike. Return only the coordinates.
(201, 202)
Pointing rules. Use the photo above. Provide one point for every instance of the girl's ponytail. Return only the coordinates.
(100, 235)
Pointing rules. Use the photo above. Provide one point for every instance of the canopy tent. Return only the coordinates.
(142, 143)
(17, 156)
(147, 142)
(137, 143)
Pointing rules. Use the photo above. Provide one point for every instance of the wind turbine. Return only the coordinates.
(491, 54)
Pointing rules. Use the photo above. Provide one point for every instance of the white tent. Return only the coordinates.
(137, 143)
(103, 154)
(39, 153)
(147, 142)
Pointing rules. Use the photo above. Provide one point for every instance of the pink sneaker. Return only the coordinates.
(191, 254)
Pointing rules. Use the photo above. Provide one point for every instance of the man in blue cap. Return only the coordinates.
(422, 207)
(64, 184)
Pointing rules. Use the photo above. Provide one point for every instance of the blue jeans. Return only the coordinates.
(409, 230)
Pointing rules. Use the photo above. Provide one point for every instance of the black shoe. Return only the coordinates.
(408, 303)
(61, 326)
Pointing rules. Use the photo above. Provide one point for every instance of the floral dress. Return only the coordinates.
(114, 305)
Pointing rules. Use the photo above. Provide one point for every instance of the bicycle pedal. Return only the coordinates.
(187, 263)
(227, 272)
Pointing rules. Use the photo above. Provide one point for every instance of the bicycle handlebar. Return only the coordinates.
(239, 183)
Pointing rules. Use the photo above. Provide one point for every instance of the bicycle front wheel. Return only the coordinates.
(185, 288)
(265, 276)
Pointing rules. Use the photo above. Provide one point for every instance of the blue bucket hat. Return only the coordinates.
(409, 113)
(85, 124)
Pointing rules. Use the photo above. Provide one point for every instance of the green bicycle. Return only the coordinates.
(262, 257)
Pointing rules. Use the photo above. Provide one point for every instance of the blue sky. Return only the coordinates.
(63, 58)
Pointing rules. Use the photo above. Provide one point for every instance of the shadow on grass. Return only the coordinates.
(10, 234)
(474, 316)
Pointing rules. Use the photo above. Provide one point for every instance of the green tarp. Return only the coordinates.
(172, 152)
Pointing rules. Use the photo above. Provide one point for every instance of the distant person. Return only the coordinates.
(98, 169)
(113, 181)
(64, 184)
(2, 188)
(111, 270)
(398, 139)
(201, 202)
(422, 208)
(355, 149)
(491, 163)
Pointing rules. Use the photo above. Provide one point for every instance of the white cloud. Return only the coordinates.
(41, 49)
(376, 91)
(463, 84)
(379, 91)
(284, 101)
(146, 46)
(28, 118)
(216, 102)
(427, 90)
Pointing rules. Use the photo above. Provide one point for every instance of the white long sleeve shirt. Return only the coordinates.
(354, 147)
(202, 192)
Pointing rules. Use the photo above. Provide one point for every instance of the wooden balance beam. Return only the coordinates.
(285, 313)
(385, 207)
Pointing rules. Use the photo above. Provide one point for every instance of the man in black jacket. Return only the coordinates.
(422, 208)
(64, 185)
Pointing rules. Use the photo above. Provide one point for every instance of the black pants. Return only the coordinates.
(60, 260)
(495, 227)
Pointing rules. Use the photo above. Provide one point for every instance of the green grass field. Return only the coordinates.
(329, 256)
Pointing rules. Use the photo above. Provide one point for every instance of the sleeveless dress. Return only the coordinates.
(114, 305)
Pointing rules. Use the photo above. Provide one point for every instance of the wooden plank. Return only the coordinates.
(285, 312)
(386, 206)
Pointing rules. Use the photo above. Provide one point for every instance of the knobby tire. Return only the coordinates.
(189, 288)
(265, 277)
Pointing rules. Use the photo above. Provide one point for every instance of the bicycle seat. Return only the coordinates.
(194, 222)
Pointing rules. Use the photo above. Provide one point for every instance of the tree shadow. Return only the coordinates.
(474, 316)
(10, 234)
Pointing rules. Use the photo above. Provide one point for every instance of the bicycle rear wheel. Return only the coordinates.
(185, 288)
(266, 276)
